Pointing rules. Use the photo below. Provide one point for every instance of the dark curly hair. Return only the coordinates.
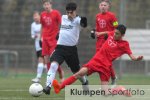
(71, 6)
(122, 29)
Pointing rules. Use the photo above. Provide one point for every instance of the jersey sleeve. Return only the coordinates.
(32, 31)
(78, 20)
(58, 18)
(114, 20)
(127, 49)
(97, 25)
(41, 20)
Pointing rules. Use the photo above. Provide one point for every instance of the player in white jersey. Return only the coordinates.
(66, 49)
(35, 34)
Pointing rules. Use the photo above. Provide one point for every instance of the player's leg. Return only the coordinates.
(51, 50)
(56, 60)
(61, 73)
(57, 87)
(72, 61)
(104, 77)
(45, 52)
(40, 67)
(113, 76)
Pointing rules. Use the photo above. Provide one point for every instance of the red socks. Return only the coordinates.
(61, 73)
(68, 81)
(48, 65)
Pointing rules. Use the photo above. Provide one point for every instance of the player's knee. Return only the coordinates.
(41, 60)
(54, 66)
(78, 75)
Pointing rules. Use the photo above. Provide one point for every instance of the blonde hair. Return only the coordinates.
(43, 1)
(107, 1)
(36, 12)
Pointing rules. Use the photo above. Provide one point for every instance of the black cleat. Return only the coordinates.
(85, 86)
(47, 90)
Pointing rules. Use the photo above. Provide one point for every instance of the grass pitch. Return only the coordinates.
(16, 88)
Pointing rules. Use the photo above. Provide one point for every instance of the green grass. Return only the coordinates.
(16, 88)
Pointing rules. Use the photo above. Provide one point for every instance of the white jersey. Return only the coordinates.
(35, 34)
(69, 31)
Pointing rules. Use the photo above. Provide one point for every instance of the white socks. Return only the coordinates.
(51, 73)
(40, 68)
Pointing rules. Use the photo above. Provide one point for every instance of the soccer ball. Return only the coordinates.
(36, 89)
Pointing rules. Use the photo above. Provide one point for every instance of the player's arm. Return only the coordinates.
(83, 22)
(59, 24)
(135, 58)
(114, 20)
(101, 33)
(32, 32)
(41, 33)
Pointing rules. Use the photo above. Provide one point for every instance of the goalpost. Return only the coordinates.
(6, 64)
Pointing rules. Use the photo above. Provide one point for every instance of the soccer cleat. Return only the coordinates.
(56, 86)
(36, 80)
(85, 86)
(47, 90)
(114, 81)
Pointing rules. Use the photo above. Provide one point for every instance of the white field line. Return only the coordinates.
(11, 90)
(20, 98)
(17, 90)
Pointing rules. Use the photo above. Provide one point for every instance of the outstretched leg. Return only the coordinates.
(57, 87)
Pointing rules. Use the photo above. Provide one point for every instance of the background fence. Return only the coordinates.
(16, 18)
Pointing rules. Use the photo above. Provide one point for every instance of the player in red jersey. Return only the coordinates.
(114, 47)
(105, 21)
(50, 20)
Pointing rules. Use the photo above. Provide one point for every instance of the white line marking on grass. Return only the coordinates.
(17, 90)
(20, 98)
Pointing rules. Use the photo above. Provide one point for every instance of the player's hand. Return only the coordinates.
(93, 33)
(97, 34)
(36, 36)
(83, 22)
(139, 58)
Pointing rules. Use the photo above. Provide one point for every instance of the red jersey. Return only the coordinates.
(50, 24)
(110, 50)
(104, 22)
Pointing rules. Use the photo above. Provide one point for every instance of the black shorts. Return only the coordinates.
(39, 53)
(68, 54)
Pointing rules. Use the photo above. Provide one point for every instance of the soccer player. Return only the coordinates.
(114, 47)
(35, 34)
(105, 21)
(66, 49)
(50, 20)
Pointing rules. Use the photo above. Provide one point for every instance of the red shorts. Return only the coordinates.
(104, 75)
(100, 65)
(48, 46)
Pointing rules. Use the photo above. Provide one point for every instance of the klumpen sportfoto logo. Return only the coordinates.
(108, 92)
(134, 91)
